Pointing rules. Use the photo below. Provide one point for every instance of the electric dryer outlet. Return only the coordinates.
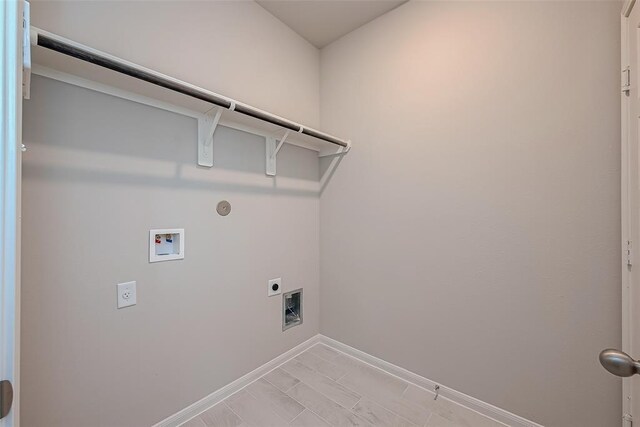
(275, 287)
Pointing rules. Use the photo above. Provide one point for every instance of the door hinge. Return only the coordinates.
(26, 51)
(626, 80)
(628, 420)
(628, 254)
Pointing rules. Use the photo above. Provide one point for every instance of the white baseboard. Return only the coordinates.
(462, 399)
(219, 395)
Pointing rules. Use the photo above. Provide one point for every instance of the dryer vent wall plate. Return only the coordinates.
(291, 309)
(166, 244)
(223, 208)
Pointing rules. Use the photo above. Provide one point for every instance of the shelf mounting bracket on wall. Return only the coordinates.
(272, 151)
(335, 152)
(207, 125)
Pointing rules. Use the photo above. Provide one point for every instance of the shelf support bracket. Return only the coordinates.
(284, 138)
(272, 151)
(335, 152)
(206, 128)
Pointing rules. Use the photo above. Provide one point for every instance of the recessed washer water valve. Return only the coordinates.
(166, 244)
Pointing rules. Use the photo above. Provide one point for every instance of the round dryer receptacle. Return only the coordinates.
(223, 208)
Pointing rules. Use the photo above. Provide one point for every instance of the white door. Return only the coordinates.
(11, 39)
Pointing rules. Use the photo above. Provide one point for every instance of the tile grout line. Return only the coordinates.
(284, 391)
(321, 357)
(321, 374)
(332, 363)
(296, 417)
(289, 389)
(428, 419)
(391, 411)
(224, 402)
(342, 376)
(356, 404)
(259, 398)
(308, 409)
(190, 419)
(321, 417)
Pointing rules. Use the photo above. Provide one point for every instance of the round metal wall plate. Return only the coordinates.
(224, 208)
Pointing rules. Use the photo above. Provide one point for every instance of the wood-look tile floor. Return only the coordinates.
(323, 387)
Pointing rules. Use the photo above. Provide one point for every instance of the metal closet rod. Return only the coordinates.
(68, 47)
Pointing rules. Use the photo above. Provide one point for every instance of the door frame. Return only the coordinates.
(11, 54)
(629, 218)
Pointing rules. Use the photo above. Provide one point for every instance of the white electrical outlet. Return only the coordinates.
(275, 287)
(126, 294)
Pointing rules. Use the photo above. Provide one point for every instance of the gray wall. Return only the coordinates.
(472, 235)
(98, 174)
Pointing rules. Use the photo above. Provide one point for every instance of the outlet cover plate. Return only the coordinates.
(270, 291)
(126, 294)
